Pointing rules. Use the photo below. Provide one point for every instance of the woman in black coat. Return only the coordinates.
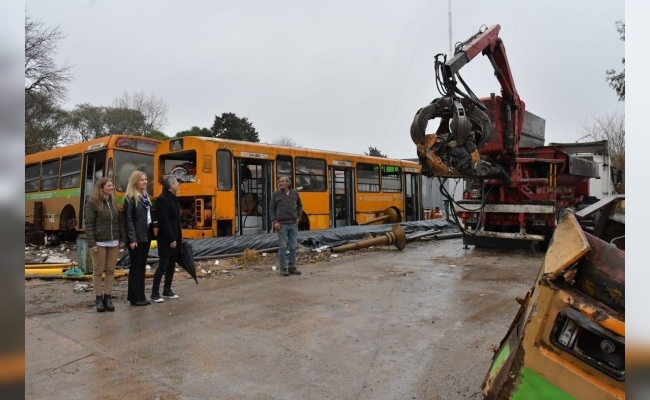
(137, 215)
(170, 238)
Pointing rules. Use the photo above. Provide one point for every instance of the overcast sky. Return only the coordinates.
(335, 75)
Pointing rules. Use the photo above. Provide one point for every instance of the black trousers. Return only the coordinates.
(166, 267)
(137, 268)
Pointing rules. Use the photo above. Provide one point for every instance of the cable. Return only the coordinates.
(479, 224)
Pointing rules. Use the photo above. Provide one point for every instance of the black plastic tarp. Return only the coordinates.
(224, 246)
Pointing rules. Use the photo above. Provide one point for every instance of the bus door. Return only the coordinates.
(94, 167)
(253, 181)
(412, 196)
(341, 196)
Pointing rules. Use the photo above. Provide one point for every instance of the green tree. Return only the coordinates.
(43, 123)
(230, 126)
(86, 122)
(195, 131)
(156, 134)
(615, 79)
(45, 88)
(124, 121)
(373, 151)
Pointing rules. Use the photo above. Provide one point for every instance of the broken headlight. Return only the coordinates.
(583, 338)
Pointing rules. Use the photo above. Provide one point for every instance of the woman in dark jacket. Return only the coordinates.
(137, 214)
(170, 238)
(105, 235)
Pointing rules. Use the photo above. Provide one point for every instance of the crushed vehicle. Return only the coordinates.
(567, 340)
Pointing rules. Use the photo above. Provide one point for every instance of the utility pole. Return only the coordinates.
(447, 183)
(449, 8)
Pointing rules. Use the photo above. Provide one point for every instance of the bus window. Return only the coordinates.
(224, 170)
(73, 169)
(284, 167)
(310, 174)
(70, 171)
(391, 179)
(50, 175)
(31, 177)
(367, 177)
(137, 144)
(111, 169)
(180, 165)
(127, 162)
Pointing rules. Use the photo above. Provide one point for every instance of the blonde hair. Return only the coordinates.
(131, 188)
(97, 195)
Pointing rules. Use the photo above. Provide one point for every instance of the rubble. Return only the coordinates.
(63, 253)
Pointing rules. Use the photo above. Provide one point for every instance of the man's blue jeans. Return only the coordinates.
(288, 236)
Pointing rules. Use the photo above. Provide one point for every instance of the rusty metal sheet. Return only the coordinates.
(567, 246)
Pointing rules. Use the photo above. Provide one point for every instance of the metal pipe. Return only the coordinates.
(50, 274)
(448, 236)
(378, 219)
(390, 216)
(49, 265)
(395, 236)
(422, 234)
(221, 256)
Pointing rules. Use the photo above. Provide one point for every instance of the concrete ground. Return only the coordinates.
(379, 323)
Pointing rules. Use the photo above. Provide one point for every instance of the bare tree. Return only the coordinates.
(153, 109)
(45, 88)
(611, 127)
(286, 141)
(42, 74)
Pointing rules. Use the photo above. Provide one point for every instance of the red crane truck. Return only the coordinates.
(516, 187)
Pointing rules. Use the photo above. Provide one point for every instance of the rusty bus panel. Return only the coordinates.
(567, 340)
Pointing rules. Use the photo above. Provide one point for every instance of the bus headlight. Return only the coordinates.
(583, 338)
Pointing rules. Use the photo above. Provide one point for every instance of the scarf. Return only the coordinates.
(144, 200)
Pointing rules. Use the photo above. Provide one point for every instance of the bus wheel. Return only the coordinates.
(303, 225)
(68, 220)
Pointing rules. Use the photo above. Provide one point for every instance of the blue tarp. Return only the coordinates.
(228, 245)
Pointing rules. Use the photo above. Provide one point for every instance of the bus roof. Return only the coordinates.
(126, 142)
(230, 143)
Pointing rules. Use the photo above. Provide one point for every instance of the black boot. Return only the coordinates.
(99, 302)
(108, 303)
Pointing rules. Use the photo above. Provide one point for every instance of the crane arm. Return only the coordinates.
(489, 44)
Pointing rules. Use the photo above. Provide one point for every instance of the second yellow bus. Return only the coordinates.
(226, 185)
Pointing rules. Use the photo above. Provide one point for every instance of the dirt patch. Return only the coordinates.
(59, 295)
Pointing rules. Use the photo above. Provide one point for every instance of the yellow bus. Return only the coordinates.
(58, 182)
(226, 185)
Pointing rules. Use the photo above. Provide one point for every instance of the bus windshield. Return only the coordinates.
(127, 162)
